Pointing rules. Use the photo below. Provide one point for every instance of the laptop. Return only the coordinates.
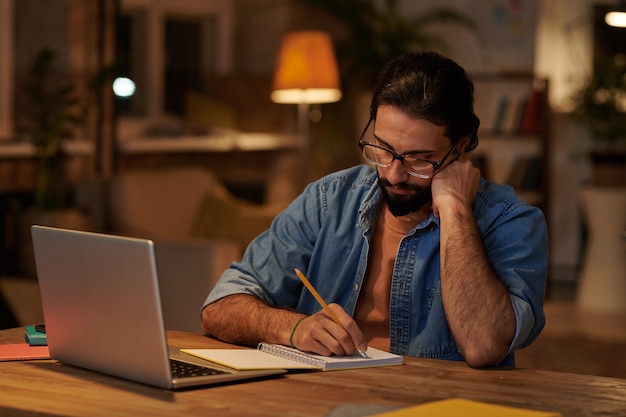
(102, 311)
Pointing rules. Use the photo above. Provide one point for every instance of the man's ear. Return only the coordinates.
(462, 144)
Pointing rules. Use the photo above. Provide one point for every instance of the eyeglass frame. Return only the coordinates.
(401, 157)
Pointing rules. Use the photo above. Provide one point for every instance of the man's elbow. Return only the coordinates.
(485, 356)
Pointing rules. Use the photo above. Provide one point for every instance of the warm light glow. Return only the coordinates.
(306, 95)
(617, 19)
(306, 71)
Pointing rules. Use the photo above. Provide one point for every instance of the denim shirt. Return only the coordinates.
(326, 231)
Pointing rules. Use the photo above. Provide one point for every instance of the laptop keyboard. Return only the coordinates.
(185, 370)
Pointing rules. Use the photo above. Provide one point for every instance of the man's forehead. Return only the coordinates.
(409, 133)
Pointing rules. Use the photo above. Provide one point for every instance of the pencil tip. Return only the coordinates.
(362, 354)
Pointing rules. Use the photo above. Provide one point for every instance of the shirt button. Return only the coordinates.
(355, 287)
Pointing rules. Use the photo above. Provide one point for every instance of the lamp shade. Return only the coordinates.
(306, 70)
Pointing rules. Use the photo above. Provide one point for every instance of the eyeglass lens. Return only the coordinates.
(384, 157)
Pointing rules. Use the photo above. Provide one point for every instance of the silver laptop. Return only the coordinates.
(102, 310)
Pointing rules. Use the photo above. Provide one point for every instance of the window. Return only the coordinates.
(168, 47)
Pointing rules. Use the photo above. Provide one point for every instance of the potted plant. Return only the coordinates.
(374, 35)
(599, 104)
(49, 112)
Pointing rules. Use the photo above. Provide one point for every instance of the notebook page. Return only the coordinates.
(246, 359)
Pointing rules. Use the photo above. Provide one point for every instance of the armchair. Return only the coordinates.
(198, 228)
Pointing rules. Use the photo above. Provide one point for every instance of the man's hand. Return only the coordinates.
(456, 183)
(246, 320)
(320, 334)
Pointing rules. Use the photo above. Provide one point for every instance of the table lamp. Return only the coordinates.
(306, 73)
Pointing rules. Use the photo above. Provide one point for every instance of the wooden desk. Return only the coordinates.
(47, 388)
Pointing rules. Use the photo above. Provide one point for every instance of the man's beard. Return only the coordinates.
(401, 205)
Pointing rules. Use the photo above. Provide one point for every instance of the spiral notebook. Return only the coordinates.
(270, 356)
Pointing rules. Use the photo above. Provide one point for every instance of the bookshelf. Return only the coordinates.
(514, 133)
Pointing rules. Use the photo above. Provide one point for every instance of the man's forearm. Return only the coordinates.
(246, 320)
(476, 302)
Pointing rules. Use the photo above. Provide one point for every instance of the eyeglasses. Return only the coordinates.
(383, 157)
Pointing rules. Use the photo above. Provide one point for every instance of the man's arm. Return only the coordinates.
(247, 320)
(476, 302)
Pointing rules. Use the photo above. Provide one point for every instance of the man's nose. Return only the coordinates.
(396, 173)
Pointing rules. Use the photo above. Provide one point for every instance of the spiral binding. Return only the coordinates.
(292, 354)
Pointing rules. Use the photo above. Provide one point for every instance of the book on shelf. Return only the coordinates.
(514, 115)
(534, 174)
(502, 109)
(271, 356)
(518, 113)
(517, 172)
(530, 123)
(526, 173)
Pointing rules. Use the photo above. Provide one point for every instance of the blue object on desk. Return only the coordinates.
(34, 337)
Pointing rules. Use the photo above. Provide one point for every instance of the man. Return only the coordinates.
(418, 255)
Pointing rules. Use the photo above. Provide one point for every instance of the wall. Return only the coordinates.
(260, 25)
(506, 33)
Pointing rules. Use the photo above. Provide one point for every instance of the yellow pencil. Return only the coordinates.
(320, 300)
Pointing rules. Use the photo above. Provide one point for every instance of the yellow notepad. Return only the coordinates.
(270, 356)
(458, 407)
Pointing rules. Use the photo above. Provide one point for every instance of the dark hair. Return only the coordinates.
(427, 85)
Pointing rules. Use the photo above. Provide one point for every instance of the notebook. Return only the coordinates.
(268, 356)
(102, 310)
(35, 337)
(23, 352)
